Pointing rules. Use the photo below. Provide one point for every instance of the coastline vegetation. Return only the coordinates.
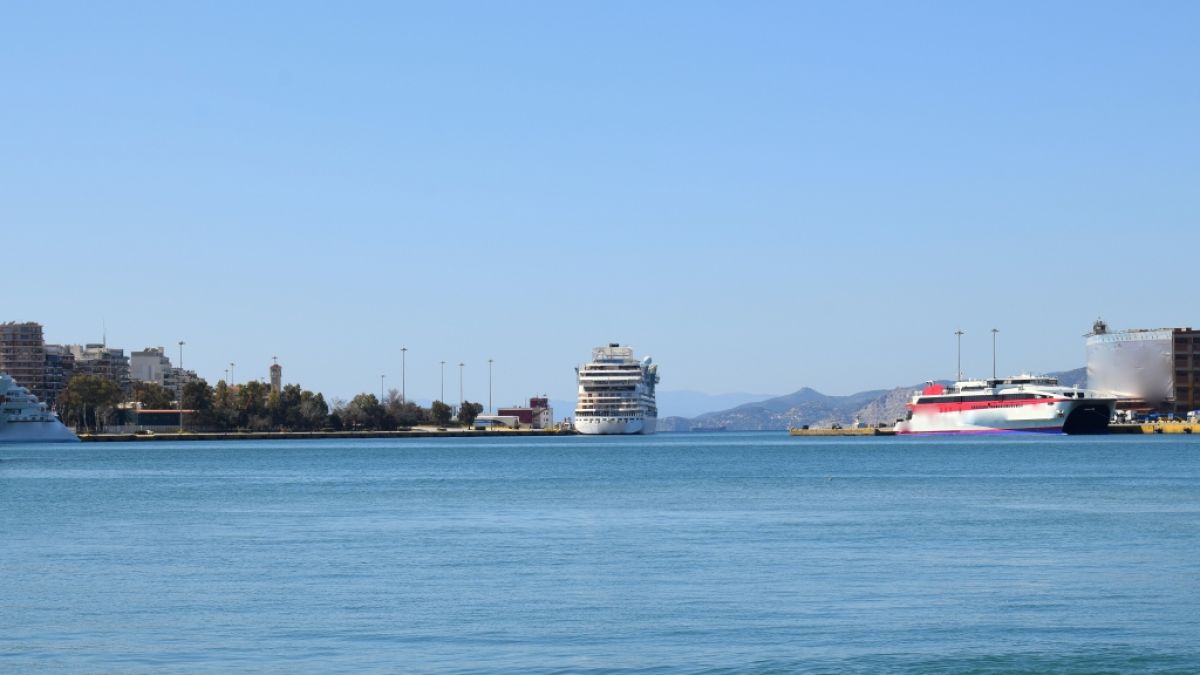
(91, 403)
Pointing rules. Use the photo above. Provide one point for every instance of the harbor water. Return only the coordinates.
(723, 552)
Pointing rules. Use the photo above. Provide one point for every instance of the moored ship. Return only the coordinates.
(616, 393)
(1023, 403)
(24, 419)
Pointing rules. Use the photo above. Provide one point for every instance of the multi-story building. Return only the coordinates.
(102, 360)
(60, 367)
(150, 365)
(1147, 369)
(23, 355)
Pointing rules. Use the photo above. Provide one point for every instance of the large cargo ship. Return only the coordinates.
(616, 393)
(1023, 403)
(24, 419)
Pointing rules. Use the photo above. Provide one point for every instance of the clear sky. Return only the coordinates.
(762, 196)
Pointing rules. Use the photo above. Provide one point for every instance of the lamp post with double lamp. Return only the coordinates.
(460, 388)
(959, 333)
(489, 386)
(179, 387)
(403, 374)
(442, 397)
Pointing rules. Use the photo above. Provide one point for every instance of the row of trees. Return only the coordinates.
(91, 402)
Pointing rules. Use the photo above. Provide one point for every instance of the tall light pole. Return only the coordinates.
(179, 387)
(442, 398)
(381, 388)
(403, 373)
(994, 331)
(959, 333)
(231, 372)
(460, 388)
(489, 386)
(227, 377)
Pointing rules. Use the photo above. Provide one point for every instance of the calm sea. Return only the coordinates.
(714, 552)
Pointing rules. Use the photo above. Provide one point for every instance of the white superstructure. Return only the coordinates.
(1022, 403)
(616, 393)
(24, 419)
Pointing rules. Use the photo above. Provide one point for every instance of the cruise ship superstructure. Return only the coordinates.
(24, 419)
(1022, 403)
(616, 393)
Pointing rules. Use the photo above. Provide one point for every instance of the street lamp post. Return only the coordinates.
(959, 333)
(231, 372)
(381, 377)
(442, 398)
(489, 386)
(994, 331)
(179, 387)
(403, 374)
(460, 388)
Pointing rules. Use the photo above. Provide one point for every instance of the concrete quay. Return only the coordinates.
(296, 435)
(868, 431)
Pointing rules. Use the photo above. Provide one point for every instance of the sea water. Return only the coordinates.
(719, 552)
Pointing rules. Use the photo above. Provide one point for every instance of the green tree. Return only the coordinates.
(313, 412)
(363, 412)
(440, 413)
(88, 401)
(468, 411)
(153, 395)
(225, 411)
(198, 397)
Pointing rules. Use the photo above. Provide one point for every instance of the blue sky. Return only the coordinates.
(763, 196)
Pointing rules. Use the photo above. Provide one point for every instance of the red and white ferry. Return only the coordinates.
(1022, 403)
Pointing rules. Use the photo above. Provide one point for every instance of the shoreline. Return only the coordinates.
(297, 435)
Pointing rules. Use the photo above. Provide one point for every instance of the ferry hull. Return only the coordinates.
(1063, 416)
(617, 426)
(36, 432)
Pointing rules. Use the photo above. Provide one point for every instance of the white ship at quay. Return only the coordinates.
(616, 393)
(24, 419)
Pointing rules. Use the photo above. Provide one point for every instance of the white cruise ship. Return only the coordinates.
(1022, 403)
(616, 393)
(24, 419)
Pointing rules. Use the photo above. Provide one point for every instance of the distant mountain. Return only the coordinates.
(811, 407)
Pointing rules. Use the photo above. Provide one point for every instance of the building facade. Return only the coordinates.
(537, 415)
(150, 365)
(104, 361)
(23, 355)
(1148, 370)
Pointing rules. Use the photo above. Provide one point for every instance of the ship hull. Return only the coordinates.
(1089, 416)
(52, 431)
(618, 426)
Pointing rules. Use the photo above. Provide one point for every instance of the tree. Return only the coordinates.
(313, 412)
(402, 413)
(363, 412)
(198, 397)
(88, 401)
(440, 413)
(468, 411)
(153, 395)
